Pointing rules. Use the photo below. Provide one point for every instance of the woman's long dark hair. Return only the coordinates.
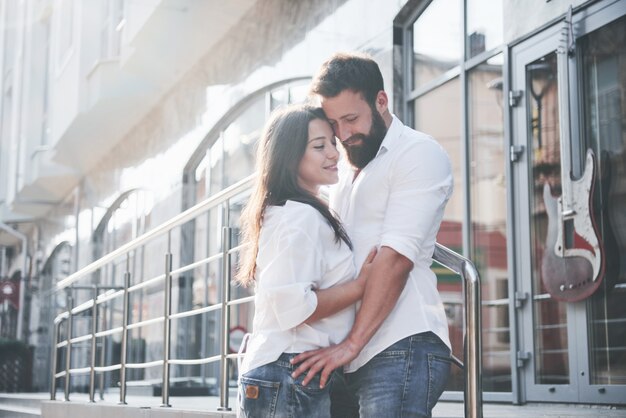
(279, 152)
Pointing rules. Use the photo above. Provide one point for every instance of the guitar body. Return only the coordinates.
(573, 262)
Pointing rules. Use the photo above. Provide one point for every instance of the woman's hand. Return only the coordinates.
(366, 268)
(335, 298)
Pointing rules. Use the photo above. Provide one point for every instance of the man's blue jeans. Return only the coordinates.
(269, 391)
(404, 380)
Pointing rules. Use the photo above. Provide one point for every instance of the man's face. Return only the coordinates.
(360, 128)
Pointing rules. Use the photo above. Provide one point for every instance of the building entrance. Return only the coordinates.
(568, 97)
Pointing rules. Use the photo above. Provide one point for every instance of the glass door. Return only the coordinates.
(571, 324)
(602, 75)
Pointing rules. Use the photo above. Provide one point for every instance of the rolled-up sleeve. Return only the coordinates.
(421, 184)
(291, 273)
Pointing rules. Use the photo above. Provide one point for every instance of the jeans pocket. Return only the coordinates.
(438, 372)
(258, 398)
(313, 386)
(311, 401)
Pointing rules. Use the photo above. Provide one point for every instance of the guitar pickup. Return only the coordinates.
(568, 213)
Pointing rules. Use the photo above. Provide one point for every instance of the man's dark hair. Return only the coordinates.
(348, 71)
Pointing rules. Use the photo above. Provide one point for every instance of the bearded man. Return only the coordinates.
(392, 193)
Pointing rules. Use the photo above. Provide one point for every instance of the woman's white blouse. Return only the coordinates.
(297, 254)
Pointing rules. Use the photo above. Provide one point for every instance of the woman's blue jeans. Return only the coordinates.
(269, 391)
(404, 380)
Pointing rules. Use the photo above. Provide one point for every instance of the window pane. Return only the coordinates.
(10, 31)
(240, 141)
(484, 25)
(231, 157)
(604, 78)
(549, 316)
(436, 41)
(445, 127)
(66, 27)
(488, 218)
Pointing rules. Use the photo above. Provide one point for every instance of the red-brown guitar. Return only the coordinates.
(573, 264)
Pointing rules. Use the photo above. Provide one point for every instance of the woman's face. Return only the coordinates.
(318, 165)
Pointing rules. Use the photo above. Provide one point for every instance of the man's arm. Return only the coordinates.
(388, 276)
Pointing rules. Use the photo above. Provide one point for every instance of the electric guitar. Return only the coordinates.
(573, 264)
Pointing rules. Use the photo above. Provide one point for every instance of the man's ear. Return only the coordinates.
(382, 102)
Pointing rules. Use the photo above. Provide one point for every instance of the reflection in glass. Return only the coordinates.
(230, 157)
(438, 113)
(488, 218)
(436, 41)
(604, 78)
(484, 26)
(549, 315)
(239, 142)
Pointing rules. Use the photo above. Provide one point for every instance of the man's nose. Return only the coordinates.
(342, 131)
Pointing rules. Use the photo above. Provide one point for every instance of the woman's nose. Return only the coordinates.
(332, 153)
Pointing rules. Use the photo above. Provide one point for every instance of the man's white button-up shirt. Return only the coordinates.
(398, 201)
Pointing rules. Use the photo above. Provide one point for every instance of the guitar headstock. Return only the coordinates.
(567, 42)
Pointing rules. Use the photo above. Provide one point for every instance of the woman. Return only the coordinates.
(300, 259)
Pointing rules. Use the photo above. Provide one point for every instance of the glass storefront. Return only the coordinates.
(568, 185)
(463, 109)
(560, 350)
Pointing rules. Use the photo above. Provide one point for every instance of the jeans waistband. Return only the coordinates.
(283, 360)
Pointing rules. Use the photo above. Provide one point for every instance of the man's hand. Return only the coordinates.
(387, 277)
(324, 360)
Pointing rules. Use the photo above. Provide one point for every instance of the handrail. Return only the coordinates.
(177, 220)
(472, 326)
(442, 255)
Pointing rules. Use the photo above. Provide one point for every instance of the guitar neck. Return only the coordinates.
(563, 51)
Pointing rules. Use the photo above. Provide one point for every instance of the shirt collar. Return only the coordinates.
(393, 133)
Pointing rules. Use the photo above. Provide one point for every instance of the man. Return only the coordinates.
(391, 195)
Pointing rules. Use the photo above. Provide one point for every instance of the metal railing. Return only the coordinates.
(446, 257)
(472, 327)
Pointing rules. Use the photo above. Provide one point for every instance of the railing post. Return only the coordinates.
(224, 387)
(53, 383)
(102, 353)
(165, 392)
(473, 329)
(68, 347)
(94, 330)
(124, 348)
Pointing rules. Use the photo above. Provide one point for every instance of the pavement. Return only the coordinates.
(208, 406)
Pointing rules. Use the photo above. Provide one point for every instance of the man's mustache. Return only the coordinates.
(354, 138)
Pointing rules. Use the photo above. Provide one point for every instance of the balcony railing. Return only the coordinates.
(84, 280)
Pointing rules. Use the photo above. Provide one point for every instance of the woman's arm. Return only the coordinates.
(336, 298)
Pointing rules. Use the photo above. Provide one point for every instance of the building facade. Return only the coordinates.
(117, 115)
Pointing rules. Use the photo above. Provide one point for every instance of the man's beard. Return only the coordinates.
(360, 155)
